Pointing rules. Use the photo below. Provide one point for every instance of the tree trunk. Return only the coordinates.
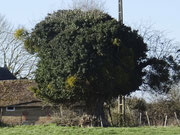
(97, 110)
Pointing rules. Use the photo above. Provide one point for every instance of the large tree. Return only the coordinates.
(88, 56)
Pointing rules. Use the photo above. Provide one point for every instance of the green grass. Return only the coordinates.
(56, 130)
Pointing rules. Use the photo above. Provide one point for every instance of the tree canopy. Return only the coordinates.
(86, 55)
(91, 57)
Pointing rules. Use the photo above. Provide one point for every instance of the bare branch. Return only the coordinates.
(12, 53)
(87, 5)
(158, 44)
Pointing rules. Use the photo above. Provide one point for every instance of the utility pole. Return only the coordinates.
(120, 11)
(121, 99)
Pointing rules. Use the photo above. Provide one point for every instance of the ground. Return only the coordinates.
(56, 130)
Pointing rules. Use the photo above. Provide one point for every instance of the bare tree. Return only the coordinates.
(12, 53)
(159, 45)
(174, 93)
(163, 49)
(87, 5)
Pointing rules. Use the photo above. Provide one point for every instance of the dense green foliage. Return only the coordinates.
(91, 57)
(55, 130)
(86, 56)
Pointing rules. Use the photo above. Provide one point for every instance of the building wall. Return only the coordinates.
(26, 115)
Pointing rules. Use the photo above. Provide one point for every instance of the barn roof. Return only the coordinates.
(5, 74)
(17, 93)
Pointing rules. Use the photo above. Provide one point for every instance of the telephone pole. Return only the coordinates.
(121, 99)
(120, 11)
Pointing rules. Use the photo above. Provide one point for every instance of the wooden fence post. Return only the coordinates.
(177, 119)
(148, 119)
(1, 114)
(140, 118)
(165, 121)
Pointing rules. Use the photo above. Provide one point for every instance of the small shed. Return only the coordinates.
(18, 105)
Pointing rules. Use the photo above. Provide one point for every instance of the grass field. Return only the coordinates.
(56, 130)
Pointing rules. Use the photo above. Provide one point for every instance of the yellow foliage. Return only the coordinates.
(116, 42)
(34, 89)
(70, 81)
(19, 34)
(50, 87)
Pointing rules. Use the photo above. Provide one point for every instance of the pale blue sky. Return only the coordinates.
(164, 14)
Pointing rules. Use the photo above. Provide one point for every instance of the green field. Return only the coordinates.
(56, 130)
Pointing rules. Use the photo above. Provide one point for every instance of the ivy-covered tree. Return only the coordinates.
(87, 56)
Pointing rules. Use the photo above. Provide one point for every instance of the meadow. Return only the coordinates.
(57, 130)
